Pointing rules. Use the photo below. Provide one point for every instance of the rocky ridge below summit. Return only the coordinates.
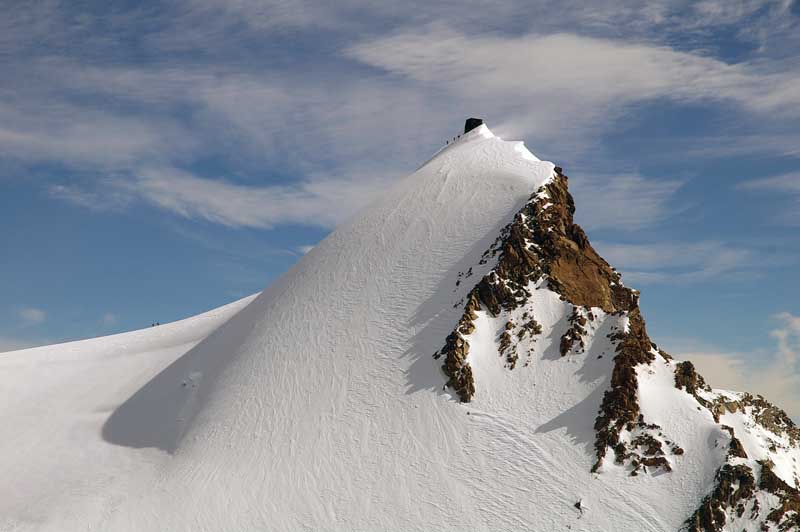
(542, 248)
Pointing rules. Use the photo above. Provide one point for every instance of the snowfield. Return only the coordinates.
(317, 405)
(58, 471)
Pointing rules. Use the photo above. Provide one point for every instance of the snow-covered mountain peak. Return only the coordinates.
(456, 356)
(482, 131)
(481, 151)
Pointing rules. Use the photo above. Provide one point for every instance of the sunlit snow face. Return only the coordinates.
(165, 130)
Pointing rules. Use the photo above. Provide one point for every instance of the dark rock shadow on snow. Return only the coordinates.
(578, 420)
(596, 365)
(159, 413)
(553, 353)
(436, 317)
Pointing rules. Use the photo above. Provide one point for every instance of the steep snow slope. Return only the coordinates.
(58, 473)
(323, 405)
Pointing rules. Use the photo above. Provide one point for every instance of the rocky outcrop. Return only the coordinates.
(735, 447)
(543, 242)
(573, 338)
(786, 514)
(742, 485)
(455, 352)
(735, 485)
(574, 269)
(514, 333)
(723, 506)
(736, 495)
(686, 377)
(619, 410)
(543, 247)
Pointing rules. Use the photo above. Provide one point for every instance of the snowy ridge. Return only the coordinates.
(320, 405)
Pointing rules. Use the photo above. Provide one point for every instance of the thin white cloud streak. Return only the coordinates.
(303, 250)
(32, 315)
(107, 196)
(571, 86)
(599, 70)
(637, 17)
(626, 202)
(788, 186)
(589, 85)
(728, 12)
(86, 137)
(781, 183)
(238, 112)
(322, 202)
(776, 377)
(253, 117)
(783, 143)
(684, 262)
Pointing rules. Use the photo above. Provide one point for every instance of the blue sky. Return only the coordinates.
(161, 159)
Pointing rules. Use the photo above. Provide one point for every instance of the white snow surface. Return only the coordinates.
(58, 472)
(318, 405)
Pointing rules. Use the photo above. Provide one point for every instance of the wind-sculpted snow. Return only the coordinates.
(58, 471)
(319, 405)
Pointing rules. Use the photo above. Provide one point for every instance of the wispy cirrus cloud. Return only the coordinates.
(781, 183)
(102, 197)
(101, 113)
(626, 202)
(681, 262)
(591, 73)
(304, 249)
(785, 185)
(35, 130)
(640, 19)
(32, 315)
(321, 202)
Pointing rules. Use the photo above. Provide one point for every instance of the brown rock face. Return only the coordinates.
(574, 268)
(725, 500)
(686, 377)
(543, 241)
(574, 334)
(787, 514)
(455, 352)
(620, 407)
(735, 485)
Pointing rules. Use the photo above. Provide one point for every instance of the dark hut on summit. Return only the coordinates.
(471, 124)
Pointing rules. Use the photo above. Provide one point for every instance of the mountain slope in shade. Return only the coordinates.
(456, 357)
